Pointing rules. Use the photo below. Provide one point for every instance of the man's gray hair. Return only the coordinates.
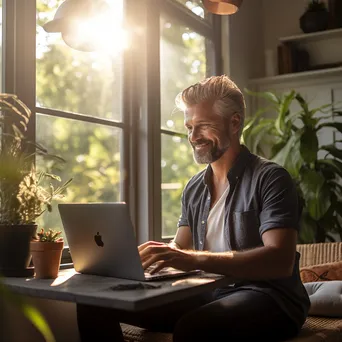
(227, 98)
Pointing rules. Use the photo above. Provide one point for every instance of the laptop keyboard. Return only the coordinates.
(166, 270)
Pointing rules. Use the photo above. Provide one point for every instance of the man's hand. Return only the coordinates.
(164, 255)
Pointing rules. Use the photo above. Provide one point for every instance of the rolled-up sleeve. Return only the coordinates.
(183, 219)
(280, 203)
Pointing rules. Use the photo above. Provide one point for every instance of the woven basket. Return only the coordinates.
(319, 253)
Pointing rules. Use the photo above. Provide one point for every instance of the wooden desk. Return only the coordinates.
(89, 291)
(100, 291)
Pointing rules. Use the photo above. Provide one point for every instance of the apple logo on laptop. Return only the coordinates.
(98, 240)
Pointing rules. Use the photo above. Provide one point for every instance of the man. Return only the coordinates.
(239, 218)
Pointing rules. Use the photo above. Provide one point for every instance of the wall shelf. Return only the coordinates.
(305, 75)
(312, 37)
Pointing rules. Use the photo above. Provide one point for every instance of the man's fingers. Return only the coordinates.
(154, 249)
(159, 266)
(149, 243)
(160, 257)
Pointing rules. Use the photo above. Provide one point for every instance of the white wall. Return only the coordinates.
(246, 43)
(281, 19)
(242, 44)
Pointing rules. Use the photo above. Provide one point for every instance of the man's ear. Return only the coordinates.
(235, 123)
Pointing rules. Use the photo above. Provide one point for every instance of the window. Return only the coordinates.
(186, 57)
(79, 114)
(111, 114)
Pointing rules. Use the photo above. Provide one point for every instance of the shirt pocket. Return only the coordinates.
(246, 229)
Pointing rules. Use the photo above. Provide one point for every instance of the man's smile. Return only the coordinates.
(201, 146)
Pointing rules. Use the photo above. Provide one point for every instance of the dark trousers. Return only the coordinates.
(239, 315)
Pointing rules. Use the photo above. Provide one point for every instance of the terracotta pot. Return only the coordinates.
(46, 258)
(15, 254)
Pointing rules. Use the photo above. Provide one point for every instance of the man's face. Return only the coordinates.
(208, 133)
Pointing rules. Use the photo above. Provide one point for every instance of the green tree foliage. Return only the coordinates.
(91, 84)
(183, 62)
(85, 83)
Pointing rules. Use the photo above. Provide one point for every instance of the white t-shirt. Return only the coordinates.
(215, 240)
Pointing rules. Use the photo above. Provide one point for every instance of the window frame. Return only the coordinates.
(211, 31)
(141, 137)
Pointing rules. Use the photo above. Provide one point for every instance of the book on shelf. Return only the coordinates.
(292, 59)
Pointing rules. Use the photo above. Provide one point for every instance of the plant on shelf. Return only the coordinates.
(291, 139)
(46, 249)
(316, 5)
(49, 236)
(34, 199)
(315, 18)
(25, 192)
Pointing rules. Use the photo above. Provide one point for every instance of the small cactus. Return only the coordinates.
(49, 236)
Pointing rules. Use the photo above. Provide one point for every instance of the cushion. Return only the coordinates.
(322, 272)
(325, 298)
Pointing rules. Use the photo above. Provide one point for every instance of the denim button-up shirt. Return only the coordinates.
(262, 196)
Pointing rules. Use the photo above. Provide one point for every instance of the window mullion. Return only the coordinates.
(173, 133)
(20, 54)
(145, 117)
(155, 118)
(79, 117)
(130, 115)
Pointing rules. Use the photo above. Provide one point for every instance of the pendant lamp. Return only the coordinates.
(222, 7)
(69, 20)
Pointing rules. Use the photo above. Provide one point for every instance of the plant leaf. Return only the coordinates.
(52, 176)
(336, 187)
(333, 164)
(303, 104)
(294, 162)
(307, 232)
(322, 108)
(283, 111)
(30, 312)
(38, 321)
(258, 133)
(255, 117)
(309, 145)
(264, 94)
(316, 193)
(281, 157)
(333, 150)
(337, 125)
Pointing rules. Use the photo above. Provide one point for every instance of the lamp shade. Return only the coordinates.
(67, 17)
(222, 7)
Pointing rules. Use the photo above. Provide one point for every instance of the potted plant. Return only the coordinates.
(290, 138)
(23, 198)
(315, 18)
(46, 249)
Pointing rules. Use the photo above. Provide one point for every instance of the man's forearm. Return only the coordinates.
(174, 244)
(259, 263)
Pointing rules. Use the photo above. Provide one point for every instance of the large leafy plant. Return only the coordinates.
(291, 138)
(24, 192)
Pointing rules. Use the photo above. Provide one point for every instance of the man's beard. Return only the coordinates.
(210, 153)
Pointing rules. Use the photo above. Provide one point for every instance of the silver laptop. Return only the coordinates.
(102, 241)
